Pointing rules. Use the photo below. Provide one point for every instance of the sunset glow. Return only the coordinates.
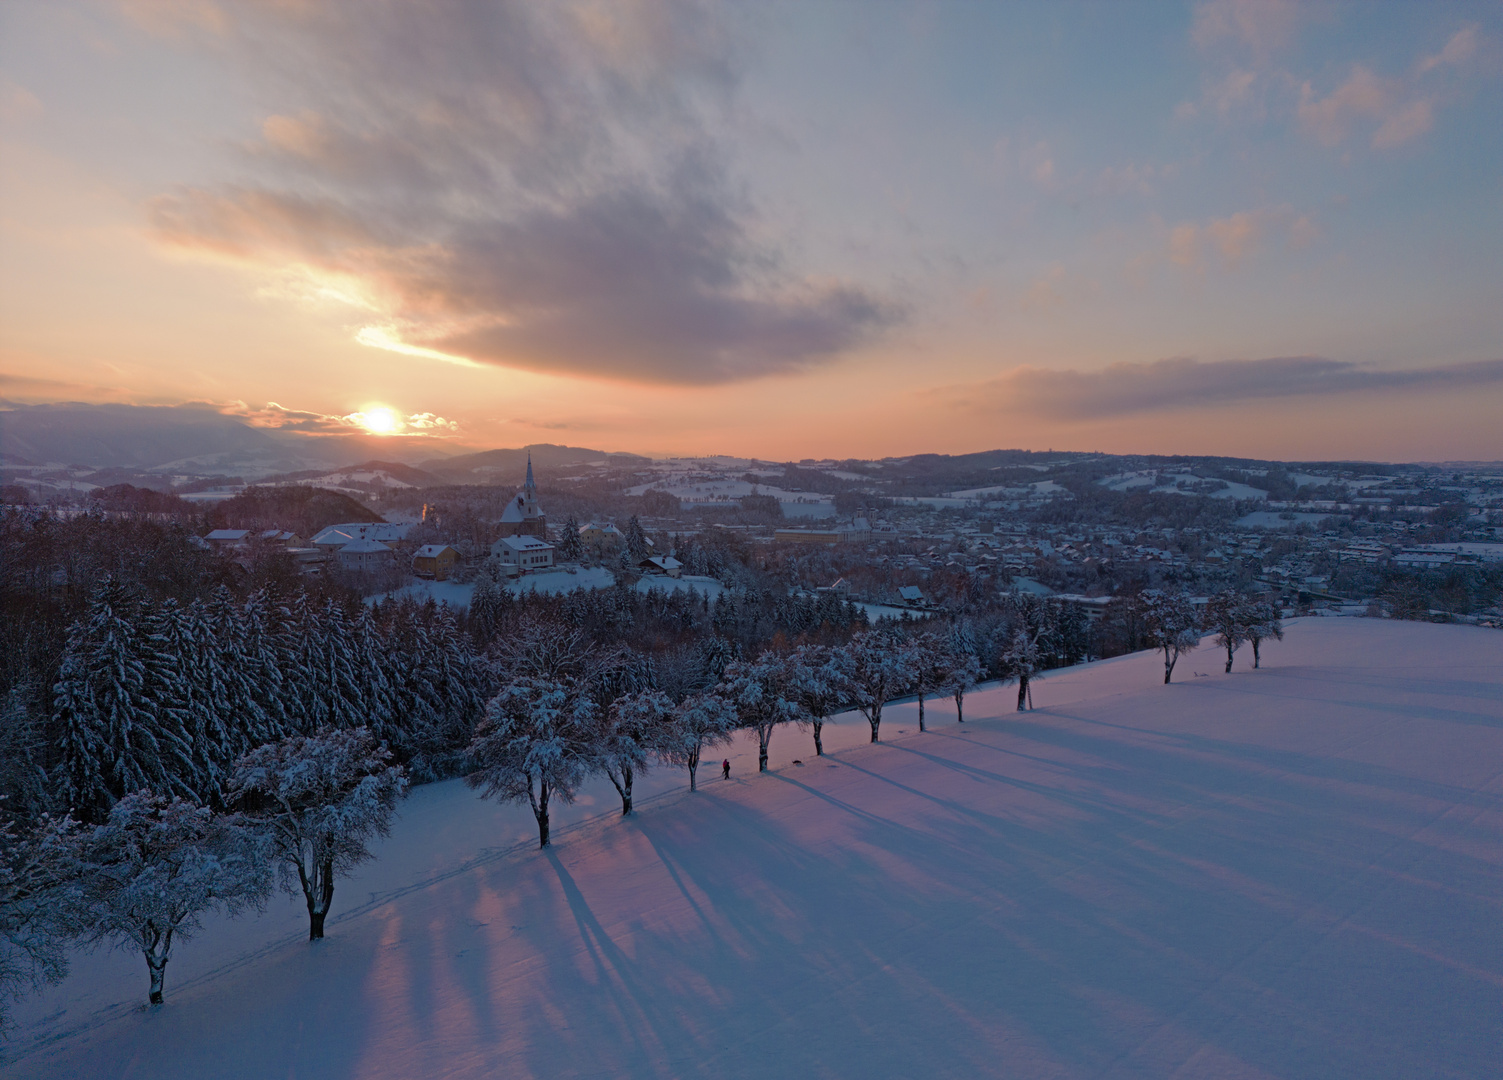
(1241, 226)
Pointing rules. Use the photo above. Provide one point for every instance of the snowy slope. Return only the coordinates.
(1294, 872)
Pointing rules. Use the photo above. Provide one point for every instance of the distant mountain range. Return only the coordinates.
(198, 441)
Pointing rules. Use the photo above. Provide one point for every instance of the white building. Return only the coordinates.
(522, 554)
(335, 537)
(365, 555)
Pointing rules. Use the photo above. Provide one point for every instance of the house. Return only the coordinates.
(335, 537)
(365, 555)
(436, 561)
(522, 554)
(661, 564)
(912, 595)
(279, 537)
(523, 516)
(222, 539)
(599, 535)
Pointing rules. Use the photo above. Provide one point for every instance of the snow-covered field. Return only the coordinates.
(1271, 519)
(1294, 872)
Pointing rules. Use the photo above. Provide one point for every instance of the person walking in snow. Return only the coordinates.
(725, 769)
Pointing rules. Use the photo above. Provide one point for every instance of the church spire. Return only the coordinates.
(530, 485)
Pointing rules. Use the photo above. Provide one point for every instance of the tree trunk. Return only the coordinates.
(622, 784)
(1228, 659)
(819, 743)
(960, 708)
(158, 968)
(318, 909)
(763, 738)
(1168, 665)
(1255, 654)
(157, 965)
(921, 710)
(875, 719)
(1022, 691)
(693, 768)
(540, 811)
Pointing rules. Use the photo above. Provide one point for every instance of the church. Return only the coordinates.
(523, 516)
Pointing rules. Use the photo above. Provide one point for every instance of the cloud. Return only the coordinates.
(302, 421)
(1401, 108)
(1260, 25)
(1231, 238)
(533, 186)
(1460, 48)
(1184, 384)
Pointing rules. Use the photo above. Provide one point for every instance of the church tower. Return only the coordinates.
(523, 516)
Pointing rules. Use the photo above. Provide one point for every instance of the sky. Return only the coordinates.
(782, 230)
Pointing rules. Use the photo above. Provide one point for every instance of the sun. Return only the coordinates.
(379, 421)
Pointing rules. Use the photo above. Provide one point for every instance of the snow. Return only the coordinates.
(1271, 519)
(1147, 480)
(1292, 872)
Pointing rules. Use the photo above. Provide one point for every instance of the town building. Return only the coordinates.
(363, 556)
(523, 516)
(522, 554)
(435, 561)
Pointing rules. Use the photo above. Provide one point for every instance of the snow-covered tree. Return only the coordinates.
(637, 547)
(928, 666)
(817, 688)
(696, 724)
(33, 918)
(538, 741)
(570, 549)
(964, 672)
(762, 693)
(145, 877)
(1223, 617)
(1170, 623)
(634, 726)
(315, 801)
(114, 737)
(873, 671)
(1021, 659)
(1261, 620)
(486, 605)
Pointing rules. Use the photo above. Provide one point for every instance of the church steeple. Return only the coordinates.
(530, 486)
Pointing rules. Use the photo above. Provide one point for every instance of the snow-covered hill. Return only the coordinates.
(1294, 872)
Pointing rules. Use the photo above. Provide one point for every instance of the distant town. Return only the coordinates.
(914, 536)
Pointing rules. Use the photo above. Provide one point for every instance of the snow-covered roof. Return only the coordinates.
(228, 534)
(525, 543)
(513, 512)
(432, 551)
(363, 547)
(664, 562)
(340, 535)
(911, 592)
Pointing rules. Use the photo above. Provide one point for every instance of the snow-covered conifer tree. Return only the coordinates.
(315, 801)
(113, 738)
(538, 741)
(1170, 623)
(636, 541)
(699, 722)
(569, 547)
(145, 877)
